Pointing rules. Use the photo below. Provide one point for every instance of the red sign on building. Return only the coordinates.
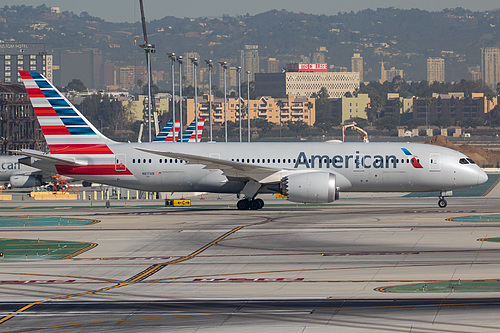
(306, 67)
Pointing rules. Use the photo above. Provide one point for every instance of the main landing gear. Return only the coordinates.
(245, 204)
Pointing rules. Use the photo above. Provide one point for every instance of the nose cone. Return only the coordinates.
(482, 177)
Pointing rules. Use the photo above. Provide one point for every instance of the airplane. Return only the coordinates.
(189, 135)
(17, 174)
(306, 172)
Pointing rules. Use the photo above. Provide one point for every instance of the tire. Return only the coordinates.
(261, 203)
(255, 205)
(242, 204)
(442, 203)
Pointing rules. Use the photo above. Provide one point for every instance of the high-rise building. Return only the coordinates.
(86, 66)
(273, 65)
(23, 56)
(490, 66)
(318, 57)
(250, 60)
(435, 70)
(188, 69)
(357, 65)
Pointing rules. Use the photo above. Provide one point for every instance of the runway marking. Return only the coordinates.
(249, 280)
(35, 281)
(63, 276)
(141, 275)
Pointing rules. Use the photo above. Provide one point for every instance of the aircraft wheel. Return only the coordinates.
(442, 203)
(261, 203)
(243, 204)
(255, 205)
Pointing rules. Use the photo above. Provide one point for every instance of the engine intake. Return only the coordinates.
(310, 187)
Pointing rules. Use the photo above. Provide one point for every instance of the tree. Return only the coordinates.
(76, 85)
(387, 123)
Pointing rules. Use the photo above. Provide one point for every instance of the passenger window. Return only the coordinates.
(133, 160)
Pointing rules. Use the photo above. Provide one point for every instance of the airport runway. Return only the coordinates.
(286, 268)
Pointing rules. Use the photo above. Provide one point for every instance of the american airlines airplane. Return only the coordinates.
(304, 172)
(18, 174)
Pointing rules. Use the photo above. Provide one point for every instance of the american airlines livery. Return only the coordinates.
(304, 172)
(191, 134)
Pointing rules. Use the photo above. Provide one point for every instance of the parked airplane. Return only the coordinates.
(304, 172)
(17, 174)
(189, 135)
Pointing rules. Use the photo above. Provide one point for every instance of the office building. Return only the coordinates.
(357, 65)
(490, 66)
(273, 65)
(188, 69)
(435, 70)
(350, 107)
(86, 66)
(274, 110)
(23, 56)
(250, 60)
(302, 80)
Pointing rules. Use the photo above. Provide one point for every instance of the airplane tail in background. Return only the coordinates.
(65, 129)
(167, 133)
(189, 134)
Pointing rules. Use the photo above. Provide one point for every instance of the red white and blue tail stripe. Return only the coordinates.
(167, 133)
(189, 134)
(65, 129)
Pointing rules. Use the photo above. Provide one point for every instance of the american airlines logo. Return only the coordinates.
(356, 161)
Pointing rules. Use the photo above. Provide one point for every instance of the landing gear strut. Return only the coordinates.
(245, 204)
(442, 202)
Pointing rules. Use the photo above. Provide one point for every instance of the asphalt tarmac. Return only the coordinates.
(285, 268)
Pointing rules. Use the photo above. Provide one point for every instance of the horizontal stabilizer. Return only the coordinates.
(49, 158)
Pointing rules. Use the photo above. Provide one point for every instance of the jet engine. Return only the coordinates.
(25, 181)
(310, 187)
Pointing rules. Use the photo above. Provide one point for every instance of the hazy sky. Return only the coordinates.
(128, 10)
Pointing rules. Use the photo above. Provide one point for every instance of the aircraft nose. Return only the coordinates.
(482, 177)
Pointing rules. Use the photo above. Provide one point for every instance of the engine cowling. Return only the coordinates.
(25, 181)
(310, 187)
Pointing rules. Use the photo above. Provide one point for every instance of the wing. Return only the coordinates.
(231, 169)
(49, 158)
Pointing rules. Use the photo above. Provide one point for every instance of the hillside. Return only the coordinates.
(403, 38)
(485, 158)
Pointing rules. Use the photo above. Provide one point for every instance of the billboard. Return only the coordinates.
(306, 67)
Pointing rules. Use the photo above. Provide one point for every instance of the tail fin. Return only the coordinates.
(189, 134)
(167, 133)
(65, 129)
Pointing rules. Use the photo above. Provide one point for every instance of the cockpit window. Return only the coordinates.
(471, 161)
(463, 161)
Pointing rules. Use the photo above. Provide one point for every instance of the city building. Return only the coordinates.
(188, 68)
(274, 110)
(351, 107)
(304, 79)
(396, 105)
(19, 127)
(390, 74)
(86, 66)
(453, 105)
(23, 56)
(475, 73)
(250, 60)
(273, 65)
(357, 65)
(138, 105)
(490, 66)
(435, 70)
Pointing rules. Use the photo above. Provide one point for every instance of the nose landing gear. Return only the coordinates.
(442, 203)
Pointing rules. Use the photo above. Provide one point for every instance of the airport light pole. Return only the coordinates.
(173, 59)
(195, 66)
(223, 64)
(238, 69)
(248, 103)
(210, 66)
(149, 48)
(180, 61)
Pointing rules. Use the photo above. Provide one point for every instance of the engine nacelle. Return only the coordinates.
(25, 181)
(310, 187)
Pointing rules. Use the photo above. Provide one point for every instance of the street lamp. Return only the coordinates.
(223, 64)
(149, 48)
(179, 60)
(238, 69)
(195, 65)
(248, 103)
(173, 59)
(210, 66)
